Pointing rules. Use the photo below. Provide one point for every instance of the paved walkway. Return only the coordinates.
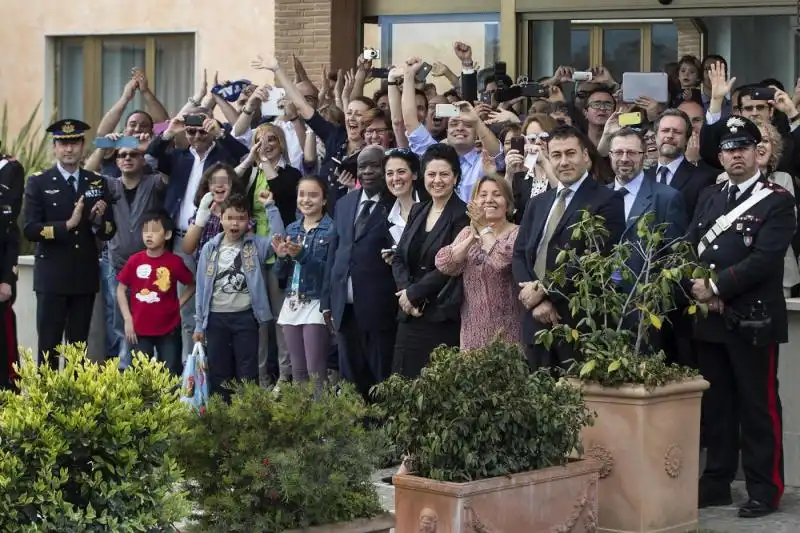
(715, 520)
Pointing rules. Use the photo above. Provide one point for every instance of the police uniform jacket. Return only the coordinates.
(66, 261)
(747, 260)
(12, 183)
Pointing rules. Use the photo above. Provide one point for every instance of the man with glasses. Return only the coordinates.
(209, 143)
(137, 191)
(66, 213)
(600, 105)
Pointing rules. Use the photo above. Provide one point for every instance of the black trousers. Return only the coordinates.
(743, 407)
(232, 350)
(62, 318)
(560, 356)
(676, 339)
(9, 351)
(365, 357)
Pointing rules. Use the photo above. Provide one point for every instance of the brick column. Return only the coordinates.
(690, 39)
(306, 28)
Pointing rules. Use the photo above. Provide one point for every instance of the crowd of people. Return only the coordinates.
(351, 235)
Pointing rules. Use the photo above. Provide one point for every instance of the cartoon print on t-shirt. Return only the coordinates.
(162, 279)
(147, 296)
(232, 278)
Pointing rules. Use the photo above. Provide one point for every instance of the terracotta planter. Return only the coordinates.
(379, 524)
(649, 444)
(561, 499)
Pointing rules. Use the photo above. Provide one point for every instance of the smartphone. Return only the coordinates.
(763, 93)
(422, 73)
(370, 54)
(535, 90)
(447, 111)
(518, 143)
(105, 143)
(581, 76)
(272, 107)
(128, 142)
(195, 120)
(348, 164)
(380, 73)
(630, 119)
(504, 94)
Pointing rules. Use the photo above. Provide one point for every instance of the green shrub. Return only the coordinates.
(268, 464)
(89, 449)
(479, 414)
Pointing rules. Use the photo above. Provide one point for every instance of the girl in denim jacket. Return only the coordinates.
(231, 298)
(302, 254)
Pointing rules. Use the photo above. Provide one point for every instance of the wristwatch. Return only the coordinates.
(246, 112)
(398, 82)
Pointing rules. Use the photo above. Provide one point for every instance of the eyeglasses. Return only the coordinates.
(379, 131)
(630, 154)
(757, 107)
(398, 151)
(533, 137)
(195, 131)
(128, 155)
(602, 106)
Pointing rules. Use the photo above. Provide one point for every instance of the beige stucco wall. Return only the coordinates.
(227, 37)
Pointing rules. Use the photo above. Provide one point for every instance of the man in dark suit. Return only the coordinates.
(544, 232)
(643, 196)
(12, 184)
(738, 340)
(673, 129)
(358, 298)
(209, 143)
(66, 212)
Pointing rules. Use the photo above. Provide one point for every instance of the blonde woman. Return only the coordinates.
(267, 168)
(768, 153)
(481, 254)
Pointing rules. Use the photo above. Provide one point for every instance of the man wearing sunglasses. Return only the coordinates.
(209, 143)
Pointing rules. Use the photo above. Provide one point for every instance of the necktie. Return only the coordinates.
(540, 265)
(72, 180)
(733, 190)
(623, 192)
(662, 175)
(363, 215)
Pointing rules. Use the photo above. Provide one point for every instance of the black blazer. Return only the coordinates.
(521, 187)
(748, 260)
(591, 196)
(424, 291)
(374, 300)
(66, 260)
(690, 180)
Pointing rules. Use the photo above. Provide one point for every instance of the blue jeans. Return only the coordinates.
(108, 291)
(117, 329)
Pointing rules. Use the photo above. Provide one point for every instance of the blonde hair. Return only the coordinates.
(505, 191)
(546, 122)
(263, 129)
(777, 143)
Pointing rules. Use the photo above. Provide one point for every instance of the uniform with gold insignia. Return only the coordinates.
(66, 273)
(738, 347)
(12, 182)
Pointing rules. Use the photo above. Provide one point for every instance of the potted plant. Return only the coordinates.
(299, 460)
(647, 430)
(489, 443)
(89, 449)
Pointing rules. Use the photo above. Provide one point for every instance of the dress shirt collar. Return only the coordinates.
(672, 166)
(205, 155)
(65, 174)
(632, 186)
(575, 186)
(745, 185)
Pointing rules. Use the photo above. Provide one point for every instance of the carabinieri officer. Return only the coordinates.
(741, 230)
(66, 213)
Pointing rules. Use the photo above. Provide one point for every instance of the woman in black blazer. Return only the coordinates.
(430, 302)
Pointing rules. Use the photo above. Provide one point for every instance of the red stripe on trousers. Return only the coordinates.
(777, 430)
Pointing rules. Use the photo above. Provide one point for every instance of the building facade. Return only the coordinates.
(77, 58)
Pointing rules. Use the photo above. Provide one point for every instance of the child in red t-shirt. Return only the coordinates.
(153, 318)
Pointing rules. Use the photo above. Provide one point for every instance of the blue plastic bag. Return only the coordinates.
(194, 388)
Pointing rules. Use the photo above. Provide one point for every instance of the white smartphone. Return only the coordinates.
(272, 107)
(581, 76)
(530, 160)
(447, 111)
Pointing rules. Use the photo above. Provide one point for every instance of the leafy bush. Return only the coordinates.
(481, 413)
(268, 464)
(89, 449)
(617, 307)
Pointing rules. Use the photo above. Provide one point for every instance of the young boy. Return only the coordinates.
(153, 318)
(231, 297)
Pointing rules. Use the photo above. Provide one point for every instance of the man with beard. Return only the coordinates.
(66, 213)
(358, 298)
(673, 129)
(742, 229)
(545, 231)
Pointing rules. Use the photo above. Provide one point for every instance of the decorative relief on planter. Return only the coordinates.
(673, 460)
(602, 454)
(583, 507)
(477, 525)
(428, 521)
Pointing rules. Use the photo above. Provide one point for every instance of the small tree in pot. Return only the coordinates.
(648, 411)
(487, 437)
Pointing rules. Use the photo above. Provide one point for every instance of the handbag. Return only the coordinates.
(194, 387)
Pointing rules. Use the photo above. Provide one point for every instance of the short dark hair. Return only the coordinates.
(693, 61)
(406, 155)
(235, 201)
(442, 152)
(380, 93)
(715, 58)
(672, 112)
(628, 132)
(369, 102)
(379, 114)
(420, 92)
(161, 216)
(599, 89)
(746, 90)
(565, 131)
(142, 112)
(772, 81)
